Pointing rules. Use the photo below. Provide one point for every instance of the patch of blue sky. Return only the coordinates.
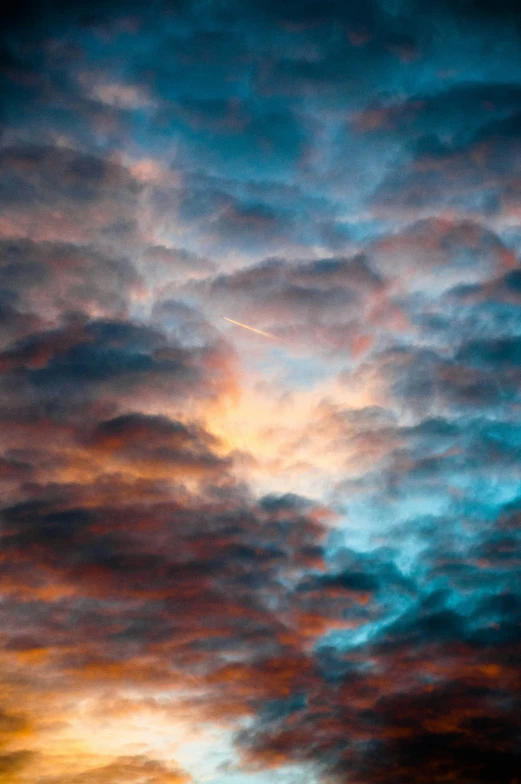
(349, 639)
(303, 372)
(285, 774)
(366, 230)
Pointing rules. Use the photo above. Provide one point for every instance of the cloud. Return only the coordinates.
(467, 175)
(127, 769)
(42, 281)
(156, 443)
(441, 254)
(60, 194)
(65, 369)
(297, 301)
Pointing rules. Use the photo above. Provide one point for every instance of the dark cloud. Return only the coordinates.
(14, 761)
(61, 194)
(142, 439)
(42, 281)
(482, 11)
(63, 370)
(473, 173)
(203, 575)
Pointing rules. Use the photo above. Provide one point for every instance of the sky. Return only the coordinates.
(282, 554)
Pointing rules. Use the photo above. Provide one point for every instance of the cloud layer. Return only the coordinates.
(225, 558)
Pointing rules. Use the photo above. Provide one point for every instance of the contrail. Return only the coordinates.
(258, 331)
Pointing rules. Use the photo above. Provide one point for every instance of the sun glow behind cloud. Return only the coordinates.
(269, 428)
